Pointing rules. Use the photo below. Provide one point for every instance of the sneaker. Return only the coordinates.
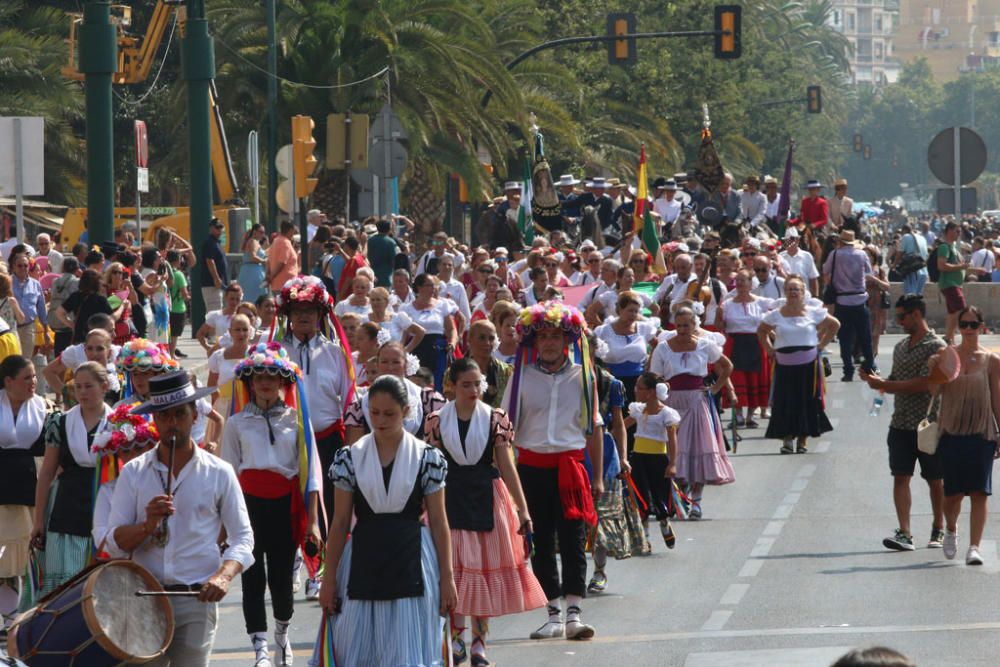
(950, 545)
(972, 556)
(787, 447)
(937, 538)
(801, 447)
(551, 630)
(900, 541)
(598, 582)
(312, 589)
(695, 513)
(668, 534)
(577, 629)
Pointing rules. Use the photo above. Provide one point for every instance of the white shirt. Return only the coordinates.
(455, 291)
(771, 209)
(744, 317)
(549, 410)
(75, 356)
(324, 375)
(396, 303)
(346, 306)
(677, 289)
(774, 288)
(795, 331)
(219, 322)
(753, 207)
(609, 299)
(595, 293)
(667, 363)
(421, 266)
(654, 427)
(631, 347)
(224, 368)
(588, 278)
(800, 264)
(54, 261)
(207, 497)
(432, 319)
(984, 259)
(667, 209)
(246, 444)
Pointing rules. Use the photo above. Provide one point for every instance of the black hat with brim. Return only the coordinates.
(170, 390)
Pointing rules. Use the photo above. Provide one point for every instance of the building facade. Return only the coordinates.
(954, 36)
(868, 26)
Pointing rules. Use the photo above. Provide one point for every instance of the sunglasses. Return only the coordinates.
(902, 316)
(551, 266)
(501, 258)
(748, 254)
(965, 324)
(485, 270)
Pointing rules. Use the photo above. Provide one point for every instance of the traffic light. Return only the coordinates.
(728, 25)
(621, 51)
(866, 153)
(303, 147)
(814, 99)
(858, 143)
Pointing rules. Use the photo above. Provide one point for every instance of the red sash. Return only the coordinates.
(335, 427)
(574, 485)
(269, 484)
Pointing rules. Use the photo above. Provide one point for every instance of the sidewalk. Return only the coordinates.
(197, 360)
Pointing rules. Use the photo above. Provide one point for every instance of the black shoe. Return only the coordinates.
(179, 355)
(847, 378)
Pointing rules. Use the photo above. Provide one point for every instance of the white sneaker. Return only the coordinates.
(551, 630)
(312, 589)
(577, 629)
(972, 556)
(950, 544)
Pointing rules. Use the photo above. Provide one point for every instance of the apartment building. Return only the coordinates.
(954, 36)
(868, 26)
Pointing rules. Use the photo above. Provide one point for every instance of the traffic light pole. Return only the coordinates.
(594, 39)
(98, 61)
(198, 58)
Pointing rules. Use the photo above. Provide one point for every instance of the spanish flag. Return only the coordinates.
(643, 217)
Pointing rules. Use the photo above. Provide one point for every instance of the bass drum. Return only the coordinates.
(96, 620)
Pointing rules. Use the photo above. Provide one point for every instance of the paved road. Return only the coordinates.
(787, 568)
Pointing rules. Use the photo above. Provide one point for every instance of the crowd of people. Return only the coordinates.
(442, 437)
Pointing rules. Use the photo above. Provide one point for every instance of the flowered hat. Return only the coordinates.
(554, 314)
(146, 356)
(303, 290)
(269, 358)
(125, 431)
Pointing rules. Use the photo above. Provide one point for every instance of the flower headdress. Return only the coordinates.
(556, 315)
(269, 358)
(310, 290)
(124, 431)
(144, 356)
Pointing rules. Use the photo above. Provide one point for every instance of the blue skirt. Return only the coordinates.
(251, 278)
(967, 463)
(399, 633)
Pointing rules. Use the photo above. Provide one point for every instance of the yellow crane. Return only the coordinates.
(136, 56)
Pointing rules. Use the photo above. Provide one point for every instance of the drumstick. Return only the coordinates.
(170, 594)
(170, 463)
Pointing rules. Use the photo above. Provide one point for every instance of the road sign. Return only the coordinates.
(283, 161)
(31, 148)
(946, 200)
(142, 181)
(253, 159)
(141, 145)
(387, 159)
(971, 161)
(338, 132)
(388, 125)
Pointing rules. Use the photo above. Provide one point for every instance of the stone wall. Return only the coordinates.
(985, 296)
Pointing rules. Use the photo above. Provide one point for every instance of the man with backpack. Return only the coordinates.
(382, 251)
(913, 261)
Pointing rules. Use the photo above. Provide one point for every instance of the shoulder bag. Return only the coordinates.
(927, 432)
(911, 263)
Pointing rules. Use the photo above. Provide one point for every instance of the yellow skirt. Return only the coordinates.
(15, 537)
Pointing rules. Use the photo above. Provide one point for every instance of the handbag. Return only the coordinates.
(830, 292)
(928, 433)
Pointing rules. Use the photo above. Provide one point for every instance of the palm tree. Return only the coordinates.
(32, 51)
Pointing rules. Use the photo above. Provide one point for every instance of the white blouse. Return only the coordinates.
(667, 363)
(655, 426)
(432, 319)
(630, 347)
(744, 317)
(346, 306)
(609, 299)
(246, 443)
(798, 331)
(217, 363)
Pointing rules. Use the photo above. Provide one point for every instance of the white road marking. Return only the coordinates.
(791, 498)
(773, 528)
(734, 594)
(783, 512)
(717, 620)
(762, 548)
(807, 470)
(750, 568)
(799, 484)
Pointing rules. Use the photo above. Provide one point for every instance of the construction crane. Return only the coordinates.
(136, 57)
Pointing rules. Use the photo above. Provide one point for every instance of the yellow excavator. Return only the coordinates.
(135, 62)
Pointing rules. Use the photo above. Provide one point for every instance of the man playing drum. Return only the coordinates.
(170, 519)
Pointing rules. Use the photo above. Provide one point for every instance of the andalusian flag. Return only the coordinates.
(644, 218)
(524, 219)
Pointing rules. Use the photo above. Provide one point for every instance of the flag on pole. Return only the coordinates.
(644, 217)
(524, 219)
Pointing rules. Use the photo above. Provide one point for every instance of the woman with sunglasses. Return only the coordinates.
(556, 277)
(480, 267)
(967, 423)
(118, 290)
(483, 304)
(641, 263)
(510, 278)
